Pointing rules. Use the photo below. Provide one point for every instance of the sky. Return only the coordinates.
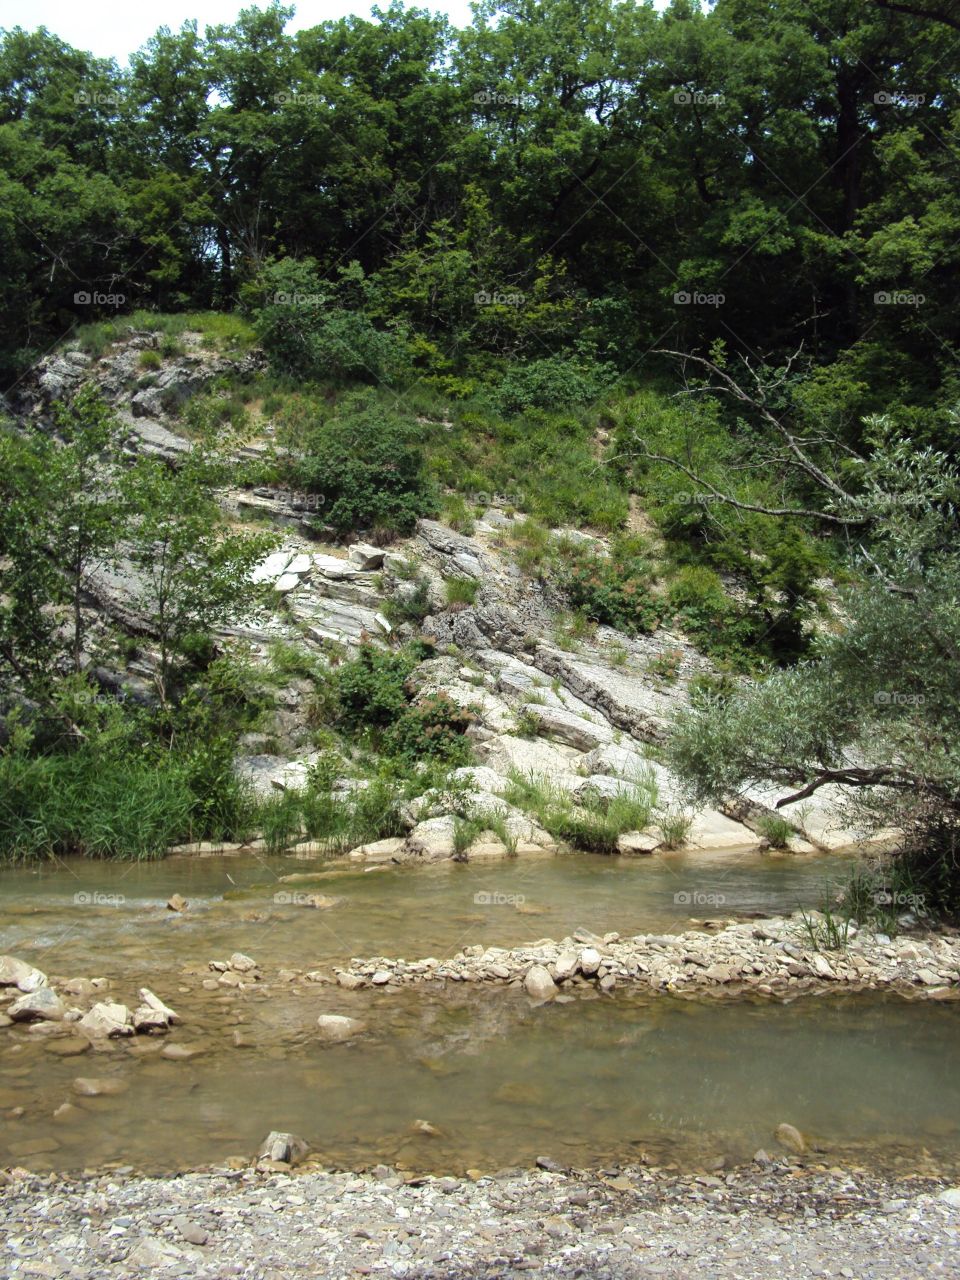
(115, 28)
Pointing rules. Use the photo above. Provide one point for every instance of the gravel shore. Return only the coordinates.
(755, 1223)
(773, 957)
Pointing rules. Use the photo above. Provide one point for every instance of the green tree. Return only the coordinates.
(192, 570)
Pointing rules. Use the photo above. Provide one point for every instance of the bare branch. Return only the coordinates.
(756, 402)
(801, 512)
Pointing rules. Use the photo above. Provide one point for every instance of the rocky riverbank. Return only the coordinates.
(773, 957)
(768, 1219)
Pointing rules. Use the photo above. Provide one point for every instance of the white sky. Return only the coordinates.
(115, 28)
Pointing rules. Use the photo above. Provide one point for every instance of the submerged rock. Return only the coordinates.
(99, 1086)
(336, 1027)
(791, 1138)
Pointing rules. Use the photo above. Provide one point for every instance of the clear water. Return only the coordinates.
(672, 1081)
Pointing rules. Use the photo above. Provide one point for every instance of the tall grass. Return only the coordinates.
(593, 824)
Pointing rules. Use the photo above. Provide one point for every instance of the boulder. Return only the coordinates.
(106, 1020)
(19, 974)
(433, 839)
(283, 1148)
(637, 843)
(590, 960)
(153, 1014)
(35, 1006)
(388, 850)
(539, 984)
(566, 727)
(567, 964)
(336, 1027)
(364, 556)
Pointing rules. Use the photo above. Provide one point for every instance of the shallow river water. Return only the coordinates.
(498, 1081)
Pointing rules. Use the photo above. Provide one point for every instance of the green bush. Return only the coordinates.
(367, 470)
(371, 688)
(315, 329)
(614, 591)
(432, 729)
(462, 591)
(555, 382)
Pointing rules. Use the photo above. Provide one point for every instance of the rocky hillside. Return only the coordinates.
(562, 727)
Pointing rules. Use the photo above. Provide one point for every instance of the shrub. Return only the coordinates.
(431, 729)
(594, 824)
(315, 329)
(776, 830)
(614, 592)
(555, 382)
(368, 470)
(150, 360)
(461, 590)
(371, 688)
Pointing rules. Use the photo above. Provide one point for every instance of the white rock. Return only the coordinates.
(42, 1005)
(336, 1027)
(365, 555)
(378, 851)
(573, 730)
(539, 984)
(336, 570)
(106, 1019)
(590, 960)
(283, 1148)
(19, 974)
(567, 964)
(272, 568)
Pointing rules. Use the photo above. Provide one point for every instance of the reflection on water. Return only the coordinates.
(501, 1082)
(75, 915)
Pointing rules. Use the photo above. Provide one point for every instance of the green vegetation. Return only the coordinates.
(594, 823)
(461, 591)
(365, 468)
(775, 830)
